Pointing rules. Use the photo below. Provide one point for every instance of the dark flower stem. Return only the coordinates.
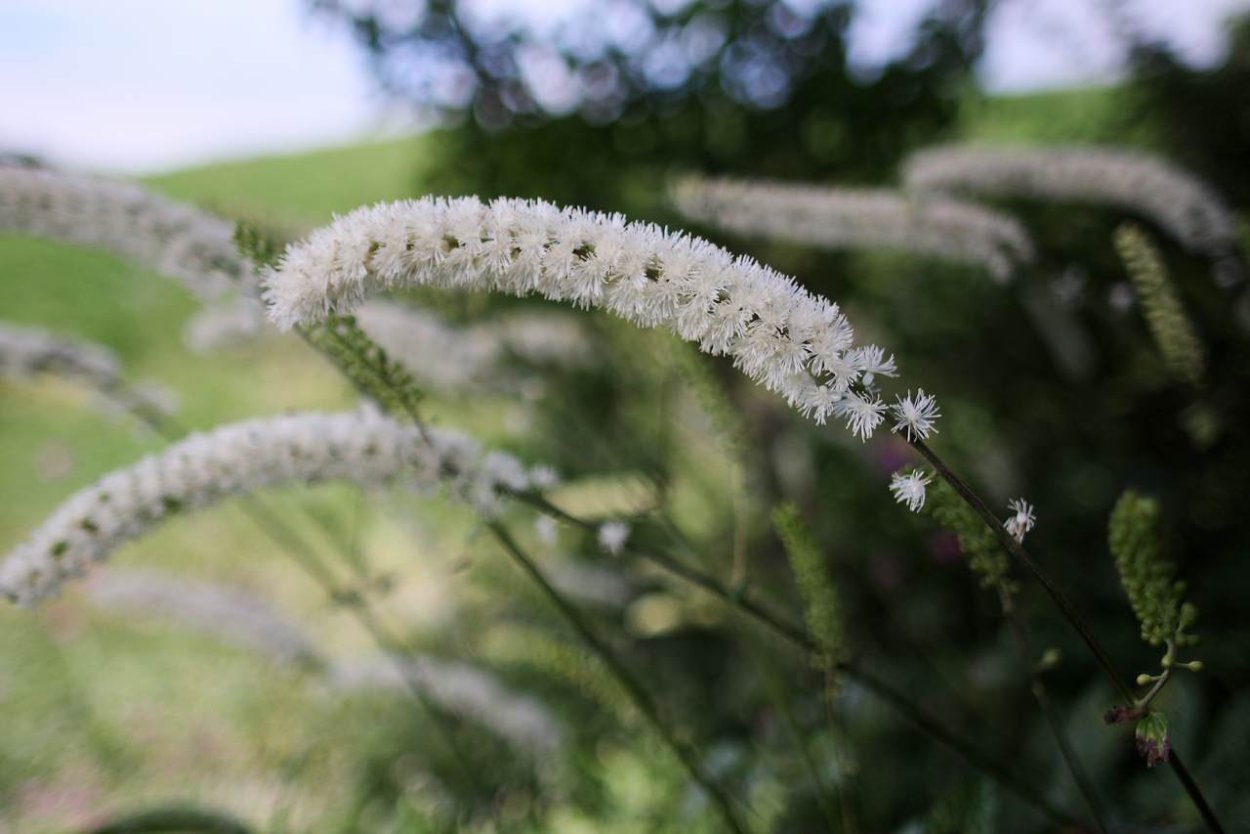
(1069, 612)
(1038, 689)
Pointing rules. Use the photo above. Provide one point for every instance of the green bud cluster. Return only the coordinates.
(367, 365)
(822, 610)
(1148, 579)
(1172, 330)
(979, 544)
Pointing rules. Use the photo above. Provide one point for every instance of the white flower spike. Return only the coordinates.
(170, 237)
(859, 218)
(1176, 201)
(364, 448)
(780, 335)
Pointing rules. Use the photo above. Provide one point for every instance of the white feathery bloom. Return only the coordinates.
(863, 414)
(871, 361)
(612, 536)
(169, 237)
(780, 335)
(1021, 520)
(232, 615)
(461, 689)
(363, 448)
(27, 352)
(858, 218)
(909, 489)
(1145, 185)
(916, 414)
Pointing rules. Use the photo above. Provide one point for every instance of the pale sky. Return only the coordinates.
(146, 85)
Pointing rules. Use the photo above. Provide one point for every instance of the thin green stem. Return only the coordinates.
(1195, 793)
(637, 693)
(1144, 701)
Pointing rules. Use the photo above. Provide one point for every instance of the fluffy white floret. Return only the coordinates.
(1021, 520)
(612, 537)
(915, 414)
(31, 351)
(233, 615)
(909, 489)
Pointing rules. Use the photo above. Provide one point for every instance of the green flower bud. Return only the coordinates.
(1152, 739)
(1169, 325)
(1148, 579)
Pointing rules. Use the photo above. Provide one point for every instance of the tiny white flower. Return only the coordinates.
(1022, 520)
(612, 536)
(862, 415)
(915, 415)
(909, 489)
(545, 529)
(872, 360)
(544, 477)
(27, 352)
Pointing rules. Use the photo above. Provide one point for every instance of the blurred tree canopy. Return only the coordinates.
(1203, 115)
(729, 86)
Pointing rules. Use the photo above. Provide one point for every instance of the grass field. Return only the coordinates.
(99, 712)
